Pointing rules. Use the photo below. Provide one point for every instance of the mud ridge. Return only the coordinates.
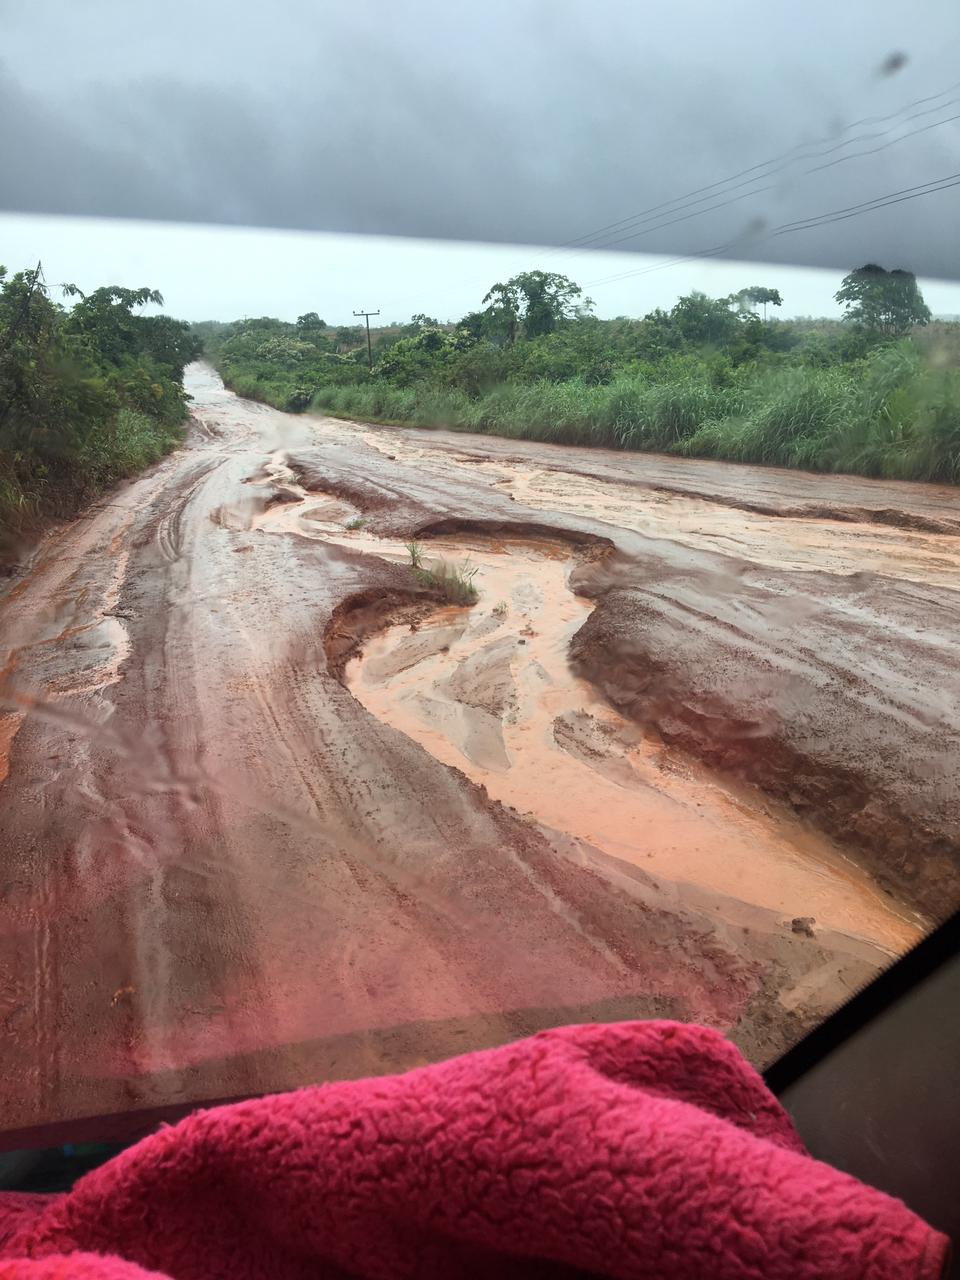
(909, 859)
(365, 496)
(889, 516)
(365, 614)
(591, 546)
(894, 517)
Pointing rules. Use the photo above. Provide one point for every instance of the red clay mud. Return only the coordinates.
(223, 874)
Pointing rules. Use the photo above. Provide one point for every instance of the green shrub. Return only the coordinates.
(819, 395)
(86, 395)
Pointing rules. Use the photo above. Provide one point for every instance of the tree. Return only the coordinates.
(885, 303)
(756, 295)
(411, 359)
(104, 319)
(655, 336)
(418, 323)
(285, 351)
(85, 396)
(310, 328)
(471, 329)
(704, 320)
(575, 351)
(348, 335)
(171, 342)
(536, 300)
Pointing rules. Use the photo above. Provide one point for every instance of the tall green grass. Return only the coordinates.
(61, 482)
(453, 582)
(893, 414)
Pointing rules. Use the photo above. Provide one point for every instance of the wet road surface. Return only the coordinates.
(256, 831)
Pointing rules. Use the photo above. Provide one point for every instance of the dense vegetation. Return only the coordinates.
(87, 395)
(877, 393)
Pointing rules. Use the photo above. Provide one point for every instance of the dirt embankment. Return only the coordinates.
(366, 613)
(786, 726)
(894, 517)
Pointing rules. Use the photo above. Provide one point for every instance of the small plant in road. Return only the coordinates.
(453, 582)
(356, 523)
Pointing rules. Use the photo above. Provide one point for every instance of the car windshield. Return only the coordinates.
(410, 644)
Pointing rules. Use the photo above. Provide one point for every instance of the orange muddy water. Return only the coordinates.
(489, 691)
(270, 813)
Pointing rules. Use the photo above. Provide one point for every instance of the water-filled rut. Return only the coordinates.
(488, 689)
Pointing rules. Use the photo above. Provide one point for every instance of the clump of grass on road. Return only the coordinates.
(453, 582)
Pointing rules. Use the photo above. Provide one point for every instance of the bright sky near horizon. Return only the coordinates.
(223, 273)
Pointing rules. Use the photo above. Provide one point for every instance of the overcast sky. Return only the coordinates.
(223, 273)
(686, 127)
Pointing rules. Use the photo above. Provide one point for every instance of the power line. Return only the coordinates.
(892, 143)
(752, 174)
(721, 204)
(804, 224)
(854, 211)
(753, 169)
(836, 215)
(658, 266)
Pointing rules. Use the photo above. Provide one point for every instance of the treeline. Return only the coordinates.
(284, 364)
(88, 393)
(877, 393)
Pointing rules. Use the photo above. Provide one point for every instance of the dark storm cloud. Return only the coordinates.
(506, 121)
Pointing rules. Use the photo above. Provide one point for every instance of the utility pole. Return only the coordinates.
(367, 315)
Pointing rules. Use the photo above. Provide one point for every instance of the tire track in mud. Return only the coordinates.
(85, 613)
(182, 964)
(226, 921)
(72, 713)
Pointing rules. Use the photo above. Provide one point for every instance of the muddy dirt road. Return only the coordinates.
(270, 814)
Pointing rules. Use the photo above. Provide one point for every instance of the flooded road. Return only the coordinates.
(269, 813)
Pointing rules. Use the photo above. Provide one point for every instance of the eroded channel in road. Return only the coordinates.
(488, 690)
(233, 864)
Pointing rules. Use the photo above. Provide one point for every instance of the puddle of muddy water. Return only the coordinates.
(489, 691)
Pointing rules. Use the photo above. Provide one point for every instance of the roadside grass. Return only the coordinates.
(34, 487)
(453, 582)
(357, 522)
(892, 414)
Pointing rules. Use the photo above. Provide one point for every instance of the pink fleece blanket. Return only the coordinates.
(646, 1149)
